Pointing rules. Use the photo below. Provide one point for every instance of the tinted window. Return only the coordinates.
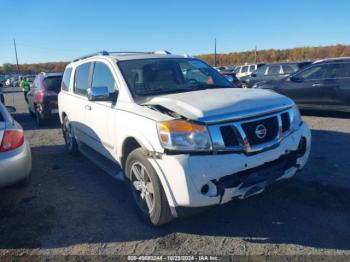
(237, 69)
(344, 70)
(82, 78)
(66, 79)
(274, 70)
(261, 71)
(289, 69)
(244, 69)
(103, 77)
(53, 83)
(252, 68)
(314, 72)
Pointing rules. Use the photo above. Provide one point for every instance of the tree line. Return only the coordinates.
(278, 55)
(33, 68)
(234, 58)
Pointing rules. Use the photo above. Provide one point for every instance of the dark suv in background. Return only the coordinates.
(42, 98)
(274, 71)
(325, 85)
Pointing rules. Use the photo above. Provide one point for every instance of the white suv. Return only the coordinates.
(177, 131)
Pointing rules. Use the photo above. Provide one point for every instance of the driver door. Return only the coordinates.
(99, 115)
(307, 87)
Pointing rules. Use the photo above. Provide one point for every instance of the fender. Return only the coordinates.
(146, 144)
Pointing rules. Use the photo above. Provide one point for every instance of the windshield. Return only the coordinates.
(164, 76)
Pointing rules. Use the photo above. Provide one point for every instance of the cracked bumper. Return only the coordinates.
(230, 176)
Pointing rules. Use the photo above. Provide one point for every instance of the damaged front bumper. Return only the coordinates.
(205, 180)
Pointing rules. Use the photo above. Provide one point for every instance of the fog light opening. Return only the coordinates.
(302, 146)
(209, 189)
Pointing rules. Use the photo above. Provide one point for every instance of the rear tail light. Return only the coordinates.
(39, 96)
(12, 139)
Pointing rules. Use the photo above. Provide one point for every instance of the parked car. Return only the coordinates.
(246, 70)
(274, 71)
(231, 76)
(323, 85)
(183, 142)
(42, 98)
(15, 155)
(9, 81)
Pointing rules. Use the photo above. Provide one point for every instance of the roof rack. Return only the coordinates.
(105, 53)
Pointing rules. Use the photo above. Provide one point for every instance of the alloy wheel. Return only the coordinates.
(142, 187)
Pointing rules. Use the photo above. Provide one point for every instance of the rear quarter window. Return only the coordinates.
(82, 79)
(66, 79)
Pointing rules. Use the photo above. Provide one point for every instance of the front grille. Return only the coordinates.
(251, 135)
(229, 136)
(270, 125)
(285, 122)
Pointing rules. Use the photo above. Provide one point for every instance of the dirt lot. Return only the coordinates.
(72, 207)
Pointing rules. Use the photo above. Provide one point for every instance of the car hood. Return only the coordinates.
(213, 105)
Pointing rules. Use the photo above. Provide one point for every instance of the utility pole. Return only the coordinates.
(14, 43)
(214, 51)
(256, 55)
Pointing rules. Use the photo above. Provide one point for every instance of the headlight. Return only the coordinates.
(180, 135)
(297, 120)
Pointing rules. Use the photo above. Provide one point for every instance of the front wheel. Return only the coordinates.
(147, 189)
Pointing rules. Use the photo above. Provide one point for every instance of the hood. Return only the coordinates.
(212, 105)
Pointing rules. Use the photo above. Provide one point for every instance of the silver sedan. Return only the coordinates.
(15, 154)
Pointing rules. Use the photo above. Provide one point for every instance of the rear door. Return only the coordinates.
(82, 81)
(341, 92)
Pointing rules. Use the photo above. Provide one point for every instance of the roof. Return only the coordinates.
(335, 59)
(50, 74)
(127, 55)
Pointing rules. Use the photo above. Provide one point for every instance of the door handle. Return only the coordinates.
(317, 85)
(87, 107)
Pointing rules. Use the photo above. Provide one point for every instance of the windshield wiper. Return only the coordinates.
(208, 86)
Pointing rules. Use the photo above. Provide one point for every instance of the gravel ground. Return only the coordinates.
(74, 208)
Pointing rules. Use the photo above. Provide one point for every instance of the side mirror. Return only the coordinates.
(10, 109)
(295, 79)
(100, 93)
(253, 75)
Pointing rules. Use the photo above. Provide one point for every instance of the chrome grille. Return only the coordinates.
(252, 135)
(270, 126)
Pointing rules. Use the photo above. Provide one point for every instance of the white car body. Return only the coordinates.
(106, 128)
(245, 70)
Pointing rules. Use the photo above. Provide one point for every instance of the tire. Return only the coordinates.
(69, 139)
(147, 190)
(31, 114)
(39, 120)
